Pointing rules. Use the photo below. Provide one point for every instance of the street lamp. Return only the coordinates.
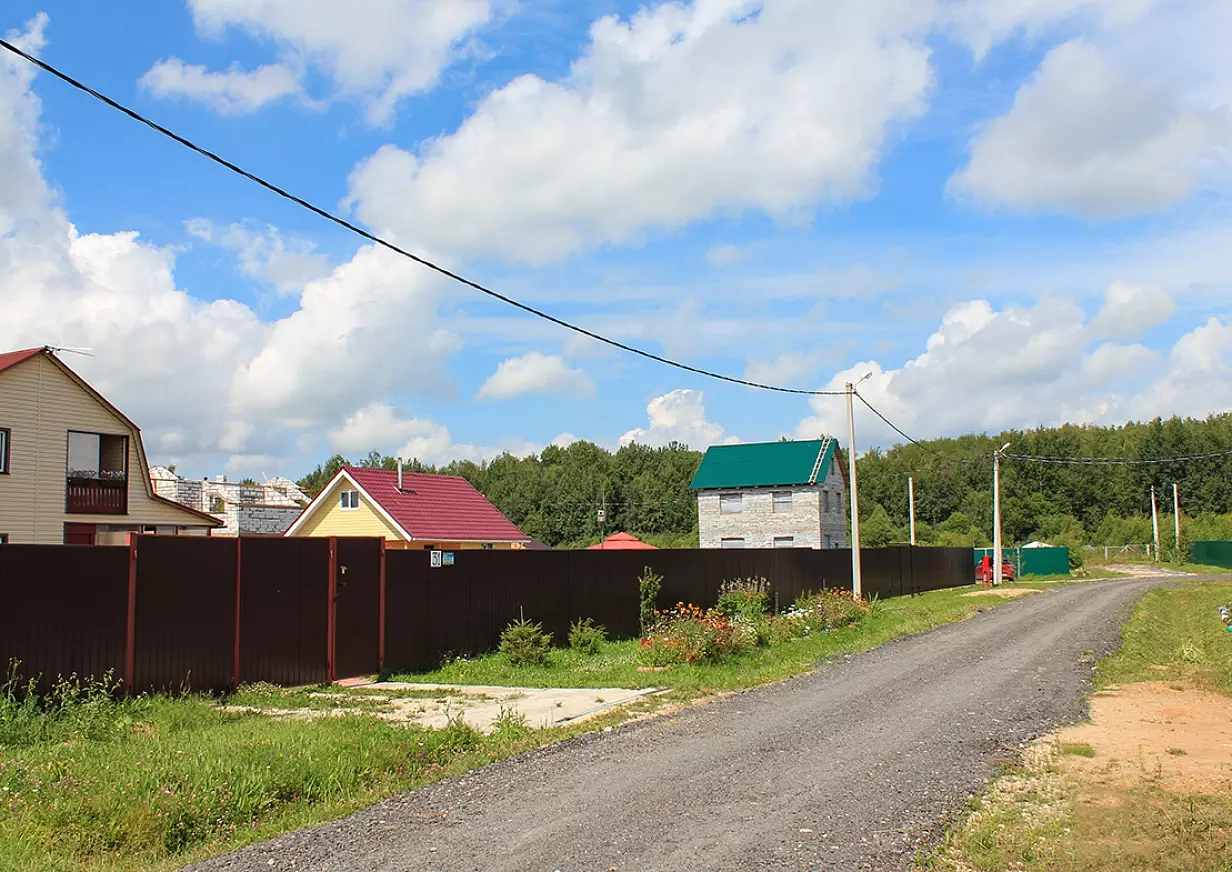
(857, 584)
(996, 513)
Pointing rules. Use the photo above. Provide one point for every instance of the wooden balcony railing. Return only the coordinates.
(87, 496)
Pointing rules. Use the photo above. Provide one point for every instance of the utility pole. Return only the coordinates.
(857, 585)
(1176, 519)
(911, 505)
(996, 514)
(1155, 522)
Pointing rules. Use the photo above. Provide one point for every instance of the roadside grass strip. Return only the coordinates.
(95, 782)
(1147, 783)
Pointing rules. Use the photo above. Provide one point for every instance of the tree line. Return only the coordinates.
(555, 496)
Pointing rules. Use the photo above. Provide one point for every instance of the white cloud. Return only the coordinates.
(678, 416)
(982, 24)
(535, 373)
(286, 263)
(1130, 310)
(987, 370)
(655, 126)
(234, 92)
(725, 255)
(1092, 137)
(381, 50)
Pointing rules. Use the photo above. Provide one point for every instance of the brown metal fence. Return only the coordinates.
(172, 613)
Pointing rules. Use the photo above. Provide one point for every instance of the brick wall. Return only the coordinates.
(818, 517)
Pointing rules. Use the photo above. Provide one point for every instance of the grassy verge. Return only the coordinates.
(1046, 816)
(616, 664)
(99, 784)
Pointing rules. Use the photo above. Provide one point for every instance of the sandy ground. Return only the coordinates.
(1003, 592)
(1144, 570)
(481, 707)
(1180, 735)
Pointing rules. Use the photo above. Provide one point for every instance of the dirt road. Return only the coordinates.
(842, 769)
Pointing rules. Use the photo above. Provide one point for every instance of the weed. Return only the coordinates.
(525, 644)
(648, 587)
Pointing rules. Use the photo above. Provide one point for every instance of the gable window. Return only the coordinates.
(732, 543)
(825, 501)
(784, 541)
(4, 450)
(838, 501)
(731, 504)
(782, 502)
(348, 499)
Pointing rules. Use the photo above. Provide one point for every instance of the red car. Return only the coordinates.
(983, 570)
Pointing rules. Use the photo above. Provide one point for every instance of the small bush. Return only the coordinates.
(749, 597)
(827, 610)
(586, 636)
(525, 643)
(648, 587)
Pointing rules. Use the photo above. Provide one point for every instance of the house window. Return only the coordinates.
(732, 543)
(4, 538)
(782, 502)
(825, 501)
(4, 451)
(784, 541)
(348, 499)
(731, 504)
(838, 502)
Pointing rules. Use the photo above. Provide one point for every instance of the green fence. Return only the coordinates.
(1033, 561)
(1217, 553)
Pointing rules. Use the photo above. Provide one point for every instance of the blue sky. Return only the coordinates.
(1012, 213)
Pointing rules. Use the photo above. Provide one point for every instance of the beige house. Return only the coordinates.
(72, 466)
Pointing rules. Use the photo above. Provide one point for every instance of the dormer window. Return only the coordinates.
(348, 499)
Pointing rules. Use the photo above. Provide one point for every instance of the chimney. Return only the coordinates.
(399, 474)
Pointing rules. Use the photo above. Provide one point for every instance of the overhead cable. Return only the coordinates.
(377, 240)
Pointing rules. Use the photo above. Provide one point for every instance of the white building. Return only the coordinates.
(244, 509)
(772, 495)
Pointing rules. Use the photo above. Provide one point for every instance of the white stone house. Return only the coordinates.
(244, 509)
(772, 495)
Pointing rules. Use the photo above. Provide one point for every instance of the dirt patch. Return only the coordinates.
(1145, 570)
(1006, 593)
(1180, 736)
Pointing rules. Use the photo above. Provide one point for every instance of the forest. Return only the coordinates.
(555, 496)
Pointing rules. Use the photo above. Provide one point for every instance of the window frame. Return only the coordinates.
(351, 496)
(776, 497)
(784, 542)
(725, 509)
(723, 543)
(6, 442)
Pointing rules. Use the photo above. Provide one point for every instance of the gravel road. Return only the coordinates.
(846, 768)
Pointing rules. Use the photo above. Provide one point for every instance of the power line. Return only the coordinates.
(377, 240)
(1034, 458)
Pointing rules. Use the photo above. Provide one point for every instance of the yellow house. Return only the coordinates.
(72, 467)
(411, 510)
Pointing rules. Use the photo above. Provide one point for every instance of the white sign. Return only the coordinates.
(436, 559)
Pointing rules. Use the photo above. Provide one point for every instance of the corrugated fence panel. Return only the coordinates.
(283, 595)
(65, 610)
(1212, 553)
(357, 593)
(185, 634)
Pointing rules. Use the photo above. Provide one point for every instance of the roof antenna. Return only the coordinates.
(399, 475)
(85, 352)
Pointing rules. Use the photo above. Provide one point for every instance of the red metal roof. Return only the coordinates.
(444, 507)
(622, 542)
(12, 358)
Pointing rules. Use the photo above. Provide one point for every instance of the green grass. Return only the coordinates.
(1077, 749)
(616, 664)
(1175, 635)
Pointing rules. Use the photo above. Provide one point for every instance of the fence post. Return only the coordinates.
(130, 629)
(239, 568)
(331, 613)
(380, 656)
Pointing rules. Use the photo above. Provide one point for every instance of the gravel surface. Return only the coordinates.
(850, 767)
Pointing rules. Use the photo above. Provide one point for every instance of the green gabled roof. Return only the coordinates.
(764, 464)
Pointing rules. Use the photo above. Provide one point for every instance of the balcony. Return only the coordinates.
(97, 496)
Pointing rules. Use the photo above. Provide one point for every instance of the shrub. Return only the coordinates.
(586, 636)
(826, 610)
(648, 587)
(749, 597)
(525, 643)
(687, 634)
